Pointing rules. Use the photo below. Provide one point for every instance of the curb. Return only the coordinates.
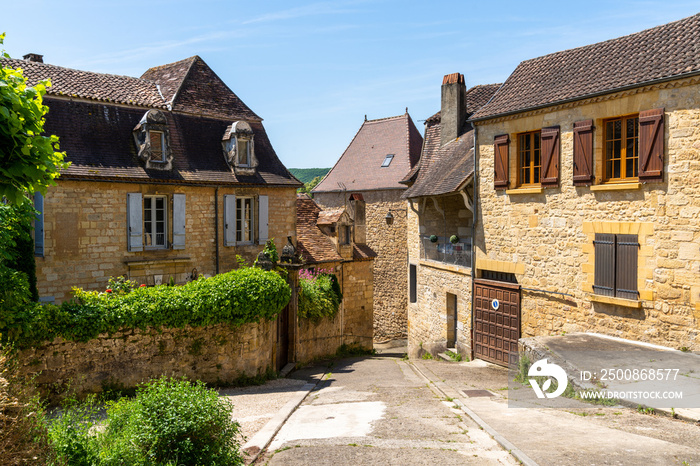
(259, 442)
(514, 451)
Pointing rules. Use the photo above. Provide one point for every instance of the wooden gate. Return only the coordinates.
(283, 329)
(496, 320)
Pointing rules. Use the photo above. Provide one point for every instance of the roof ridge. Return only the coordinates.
(34, 63)
(184, 78)
(386, 118)
(595, 44)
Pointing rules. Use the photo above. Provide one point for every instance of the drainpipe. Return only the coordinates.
(216, 226)
(475, 203)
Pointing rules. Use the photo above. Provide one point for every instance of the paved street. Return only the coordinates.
(387, 410)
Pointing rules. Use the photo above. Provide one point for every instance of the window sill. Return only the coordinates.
(615, 186)
(138, 261)
(616, 301)
(447, 267)
(530, 190)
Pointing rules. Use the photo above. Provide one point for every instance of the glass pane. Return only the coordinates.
(617, 149)
(242, 152)
(537, 141)
(609, 130)
(616, 168)
(630, 127)
(536, 179)
(160, 227)
(537, 157)
(617, 130)
(160, 215)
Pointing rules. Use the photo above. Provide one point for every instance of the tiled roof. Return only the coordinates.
(312, 244)
(98, 140)
(88, 85)
(360, 166)
(445, 169)
(664, 52)
(191, 86)
(362, 252)
(328, 217)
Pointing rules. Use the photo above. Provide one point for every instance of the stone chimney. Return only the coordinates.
(453, 109)
(34, 57)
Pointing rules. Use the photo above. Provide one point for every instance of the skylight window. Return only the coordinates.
(387, 160)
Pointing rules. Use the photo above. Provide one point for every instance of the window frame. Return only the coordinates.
(162, 158)
(240, 220)
(153, 221)
(520, 151)
(239, 141)
(624, 159)
(387, 160)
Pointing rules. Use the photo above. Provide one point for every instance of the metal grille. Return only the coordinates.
(459, 253)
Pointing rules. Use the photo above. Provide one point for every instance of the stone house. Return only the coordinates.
(588, 211)
(172, 176)
(365, 182)
(324, 242)
(441, 200)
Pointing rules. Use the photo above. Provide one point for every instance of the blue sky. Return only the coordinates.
(312, 70)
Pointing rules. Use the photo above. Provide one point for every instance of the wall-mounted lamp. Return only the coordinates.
(390, 217)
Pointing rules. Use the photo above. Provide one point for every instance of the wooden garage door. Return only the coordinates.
(497, 320)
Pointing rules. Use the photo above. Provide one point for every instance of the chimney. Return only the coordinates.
(34, 57)
(453, 109)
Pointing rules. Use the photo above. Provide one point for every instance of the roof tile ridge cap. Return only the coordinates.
(160, 67)
(493, 96)
(51, 65)
(340, 158)
(386, 118)
(176, 94)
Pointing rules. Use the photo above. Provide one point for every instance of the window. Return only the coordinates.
(621, 143)
(529, 162)
(413, 283)
(387, 160)
(157, 141)
(244, 220)
(348, 234)
(616, 265)
(243, 152)
(154, 222)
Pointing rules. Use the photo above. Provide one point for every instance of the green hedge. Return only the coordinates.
(237, 297)
(319, 295)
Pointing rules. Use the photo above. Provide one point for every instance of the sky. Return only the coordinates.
(313, 69)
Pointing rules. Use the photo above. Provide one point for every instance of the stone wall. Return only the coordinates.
(390, 265)
(353, 323)
(86, 235)
(427, 317)
(217, 354)
(546, 237)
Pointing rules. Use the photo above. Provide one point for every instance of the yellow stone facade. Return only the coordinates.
(547, 234)
(85, 230)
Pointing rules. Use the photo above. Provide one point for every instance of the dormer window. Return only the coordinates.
(157, 141)
(387, 160)
(239, 148)
(152, 138)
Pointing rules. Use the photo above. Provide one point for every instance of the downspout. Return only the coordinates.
(216, 226)
(475, 204)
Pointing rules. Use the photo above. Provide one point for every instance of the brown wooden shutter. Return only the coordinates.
(626, 267)
(604, 280)
(583, 152)
(651, 144)
(500, 163)
(550, 156)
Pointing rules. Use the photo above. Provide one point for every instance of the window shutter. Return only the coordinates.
(550, 156)
(583, 152)
(39, 225)
(500, 163)
(413, 283)
(179, 221)
(263, 219)
(134, 220)
(229, 220)
(604, 283)
(626, 271)
(651, 144)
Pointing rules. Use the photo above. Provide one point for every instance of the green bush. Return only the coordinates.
(319, 295)
(171, 422)
(237, 297)
(71, 434)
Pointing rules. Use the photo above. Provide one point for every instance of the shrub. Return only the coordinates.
(237, 297)
(72, 440)
(319, 295)
(171, 422)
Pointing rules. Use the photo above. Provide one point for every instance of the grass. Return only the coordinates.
(426, 356)
(454, 356)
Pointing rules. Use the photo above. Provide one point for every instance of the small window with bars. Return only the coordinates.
(154, 222)
(616, 265)
(243, 152)
(157, 140)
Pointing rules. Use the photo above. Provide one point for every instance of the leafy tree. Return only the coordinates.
(29, 161)
(309, 186)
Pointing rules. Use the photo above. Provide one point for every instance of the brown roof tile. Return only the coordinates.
(330, 216)
(312, 244)
(360, 166)
(664, 52)
(89, 85)
(362, 252)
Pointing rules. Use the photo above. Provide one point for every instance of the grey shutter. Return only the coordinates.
(134, 221)
(39, 225)
(229, 220)
(263, 219)
(626, 267)
(179, 221)
(604, 281)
